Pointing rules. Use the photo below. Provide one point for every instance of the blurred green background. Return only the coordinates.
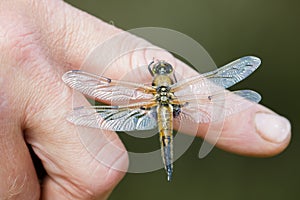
(227, 30)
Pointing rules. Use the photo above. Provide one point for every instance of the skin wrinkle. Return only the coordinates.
(44, 156)
(66, 32)
(34, 109)
(89, 42)
(61, 189)
(28, 53)
(135, 65)
(111, 169)
(107, 176)
(3, 102)
(62, 37)
(6, 141)
(72, 188)
(25, 44)
(105, 147)
(53, 86)
(111, 139)
(45, 13)
(61, 176)
(66, 172)
(7, 102)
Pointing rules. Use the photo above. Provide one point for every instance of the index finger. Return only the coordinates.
(264, 132)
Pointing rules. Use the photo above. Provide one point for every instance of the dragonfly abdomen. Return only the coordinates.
(165, 126)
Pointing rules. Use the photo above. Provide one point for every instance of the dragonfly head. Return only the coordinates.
(161, 68)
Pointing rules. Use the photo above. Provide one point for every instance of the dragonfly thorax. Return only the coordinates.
(163, 95)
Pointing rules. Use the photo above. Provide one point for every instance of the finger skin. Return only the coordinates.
(239, 134)
(18, 178)
(17, 173)
(43, 102)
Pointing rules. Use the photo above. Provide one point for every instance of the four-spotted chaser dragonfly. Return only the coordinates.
(138, 106)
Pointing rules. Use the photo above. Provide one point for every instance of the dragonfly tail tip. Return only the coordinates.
(169, 173)
(169, 177)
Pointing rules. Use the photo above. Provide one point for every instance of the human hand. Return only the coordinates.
(39, 41)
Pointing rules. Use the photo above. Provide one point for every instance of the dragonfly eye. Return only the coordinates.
(162, 68)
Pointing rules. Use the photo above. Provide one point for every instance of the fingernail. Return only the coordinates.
(272, 127)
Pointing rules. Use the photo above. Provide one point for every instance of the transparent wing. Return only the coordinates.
(105, 89)
(116, 118)
(218, 79)
(205, 109)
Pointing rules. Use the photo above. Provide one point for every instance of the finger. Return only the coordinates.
(98, 32)
(254, 131)
(243, 135)
(17, 173)
(67, 153)
(81, 163)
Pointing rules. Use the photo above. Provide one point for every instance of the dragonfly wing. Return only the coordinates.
(205, 109)
(105, 89)
(218, 79)
(233, 72)
(115, 119)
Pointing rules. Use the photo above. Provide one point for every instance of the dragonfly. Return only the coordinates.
(139, 106)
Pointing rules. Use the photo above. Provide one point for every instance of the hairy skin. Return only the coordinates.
(35, 102)
(39, 41)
